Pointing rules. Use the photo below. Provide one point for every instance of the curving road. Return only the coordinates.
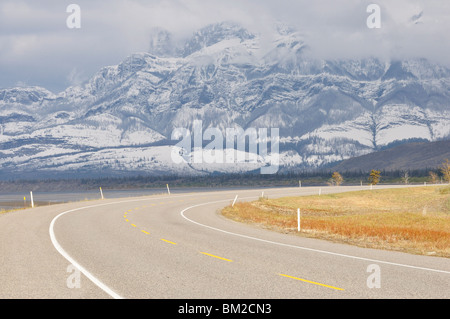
(177, 246)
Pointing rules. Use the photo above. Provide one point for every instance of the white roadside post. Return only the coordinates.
(32, 201)
(298, 219)
(168, 189)
(101, 193)
(235, 199)
(320, 191)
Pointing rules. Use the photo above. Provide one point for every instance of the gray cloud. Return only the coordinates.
(36, 47)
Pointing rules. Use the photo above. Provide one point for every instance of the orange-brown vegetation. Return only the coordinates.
(414, 220)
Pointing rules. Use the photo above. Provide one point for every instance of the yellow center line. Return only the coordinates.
(126, 220)
(215, 256)
(168, 241)
(133, 225)
(145, 232)
(311, 282)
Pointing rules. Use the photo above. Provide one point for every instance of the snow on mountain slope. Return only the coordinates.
(123, 117)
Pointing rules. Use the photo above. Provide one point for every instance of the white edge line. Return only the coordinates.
(91, 277)
(113, 294)
(83, 270)
(299, 247)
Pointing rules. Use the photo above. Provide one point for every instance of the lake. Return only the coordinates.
(16, 200)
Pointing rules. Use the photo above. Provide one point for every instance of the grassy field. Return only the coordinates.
(414, 220)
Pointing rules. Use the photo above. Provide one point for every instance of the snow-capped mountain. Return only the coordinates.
(121, 120)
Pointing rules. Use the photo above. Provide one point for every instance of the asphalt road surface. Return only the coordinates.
(178, 246)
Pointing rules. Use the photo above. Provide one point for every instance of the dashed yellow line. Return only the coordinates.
(311, 282)
(226, 259)
(168, 241)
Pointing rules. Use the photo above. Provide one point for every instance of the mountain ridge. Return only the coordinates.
(327, 111)
(404, 157)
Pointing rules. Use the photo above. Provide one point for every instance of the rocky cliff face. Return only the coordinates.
(121, 120)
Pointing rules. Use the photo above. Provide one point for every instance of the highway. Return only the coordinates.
(177, 246)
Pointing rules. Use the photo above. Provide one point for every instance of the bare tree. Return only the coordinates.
(434, 179)
(405, 177)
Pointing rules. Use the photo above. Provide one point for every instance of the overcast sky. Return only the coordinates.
(37, 47)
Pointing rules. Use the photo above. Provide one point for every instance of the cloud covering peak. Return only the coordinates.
(37, 47)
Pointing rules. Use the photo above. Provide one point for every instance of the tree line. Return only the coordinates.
(248, 179)
(442, 174)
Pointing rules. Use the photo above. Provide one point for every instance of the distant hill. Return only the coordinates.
(403, 157)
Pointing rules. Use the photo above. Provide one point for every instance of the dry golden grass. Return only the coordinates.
(414, 220)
